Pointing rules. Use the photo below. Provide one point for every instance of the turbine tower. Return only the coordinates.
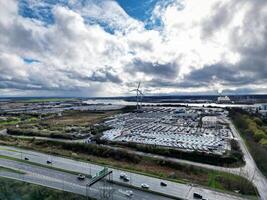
(139, 97)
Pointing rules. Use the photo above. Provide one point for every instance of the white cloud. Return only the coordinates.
(78, 56)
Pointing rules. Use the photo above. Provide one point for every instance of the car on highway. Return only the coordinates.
(80, 177)
(163, 184)
(49, 162)
(26, 158)
(192, 185)
(129, 193)
(144, 186)
(122, 175)
(126, 179)
(197, 196)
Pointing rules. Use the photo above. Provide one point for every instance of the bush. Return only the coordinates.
(96, 150)
(258, 135)
(263, 142)
(235, 157)
(258, 121)
(11, 189)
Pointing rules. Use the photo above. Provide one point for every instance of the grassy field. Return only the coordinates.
(148, 166)
(71, 125)
(76, 118)
(10, 170)
(20, 119)
(254, 132)
(10, 121)
(17, 190)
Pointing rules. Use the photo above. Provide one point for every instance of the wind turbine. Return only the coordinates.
(139, 97)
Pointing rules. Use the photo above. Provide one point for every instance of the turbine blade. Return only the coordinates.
(140, 92)
(138, 85)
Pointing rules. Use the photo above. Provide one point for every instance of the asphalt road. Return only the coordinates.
(174, 189)
(69, 182)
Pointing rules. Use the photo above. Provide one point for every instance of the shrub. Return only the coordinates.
(258, 135)
(258, 121)
(263, 142)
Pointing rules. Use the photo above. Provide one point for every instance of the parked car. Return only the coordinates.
(49, 162)
(26, 158)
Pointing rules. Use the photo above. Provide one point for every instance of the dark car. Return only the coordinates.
(126, 179)
(80, 177)
(197, 196)
(163, 184)
(49, 162)
(26, 158)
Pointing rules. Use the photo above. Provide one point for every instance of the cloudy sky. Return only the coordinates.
(104, 47)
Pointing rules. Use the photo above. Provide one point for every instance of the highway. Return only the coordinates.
(174, 189)
(69, 182)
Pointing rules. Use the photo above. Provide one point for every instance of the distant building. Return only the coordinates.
(263, 110)
(179, 110)
(186, 115)
(224, 99)
(263, 107)
(209, 122)
(263, 113)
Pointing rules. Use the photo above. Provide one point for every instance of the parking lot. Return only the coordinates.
(185, 128)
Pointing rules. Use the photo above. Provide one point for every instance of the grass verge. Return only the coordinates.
(13, 189)
(6, 169)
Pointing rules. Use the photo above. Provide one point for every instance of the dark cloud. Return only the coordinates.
(167, 70)
(227, 75)
(221, 16)
(217, 73)
(106, 74)
(248, 39)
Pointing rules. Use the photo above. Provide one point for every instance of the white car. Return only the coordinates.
(122, 175)
(144, 186)
(129, 193)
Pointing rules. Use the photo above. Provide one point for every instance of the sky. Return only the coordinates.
(91, 48)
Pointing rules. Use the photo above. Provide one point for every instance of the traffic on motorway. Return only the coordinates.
(131, 181)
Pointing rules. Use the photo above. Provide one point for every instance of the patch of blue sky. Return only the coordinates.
(140, 10)
(143, 10)
(105, 25)
(30, 60)
(39, 10)
(42, 10)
